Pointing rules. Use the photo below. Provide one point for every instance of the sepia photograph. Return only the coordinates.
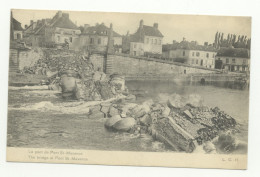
(85, 87)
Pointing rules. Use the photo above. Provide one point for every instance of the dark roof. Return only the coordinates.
(16, 25)
(99, 29)
(188, 46)
(138, 36)
(233, 52)
(64, 22)
(151, 31)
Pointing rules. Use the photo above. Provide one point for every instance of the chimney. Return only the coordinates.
(155, 25)
(206, 43)
(59, 14)
(183, 39)
(31, 22)
(127, 34)
(25, 26)
(141, 24)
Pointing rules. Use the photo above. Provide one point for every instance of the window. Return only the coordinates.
(207, 55)
(91, 40)
(197, 61)
(147, 40)
(193, 54)
(227, 60)
(183, 53)
(197, 54)
(70, 39)
(233, 60)
(58, 38)
(99, 40)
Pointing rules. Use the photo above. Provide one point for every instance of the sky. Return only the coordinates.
(199, 28)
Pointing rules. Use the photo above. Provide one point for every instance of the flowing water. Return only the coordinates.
(39, 118)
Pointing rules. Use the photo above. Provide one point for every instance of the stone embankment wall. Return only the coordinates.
(129, 66)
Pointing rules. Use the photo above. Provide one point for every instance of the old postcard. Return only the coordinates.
(128, 89)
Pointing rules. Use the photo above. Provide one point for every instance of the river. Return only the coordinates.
(40, 118)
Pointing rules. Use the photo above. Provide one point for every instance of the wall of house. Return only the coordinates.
(193, 57)
(18, 35)
(62, 34)
(117, 40)
(136, 49)
(237, 64)
(153, 44)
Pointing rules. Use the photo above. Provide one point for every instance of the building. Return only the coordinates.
(146, 41)
(59, 30)
(233, 59)
(190, 53)
(95, 38)
(16, 29)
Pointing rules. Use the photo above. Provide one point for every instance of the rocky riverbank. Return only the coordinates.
(181, 123)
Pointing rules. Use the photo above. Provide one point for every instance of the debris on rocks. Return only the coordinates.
(182, 127)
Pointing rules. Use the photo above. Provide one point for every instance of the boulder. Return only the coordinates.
(166, 111)
(113, 111)
(125, 124)
(111, 121)
(188, 114)
(145, 120)
(176, 101)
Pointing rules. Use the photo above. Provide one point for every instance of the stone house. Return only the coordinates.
(190, 53)
(233, 59)
(59, 30)
(16, 29)
(146, 41)
(95, 38)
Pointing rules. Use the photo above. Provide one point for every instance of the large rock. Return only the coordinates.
(176, 101)
(166, 111)
(125, 124)
(145, 120)
(111, 121)
(113, 111)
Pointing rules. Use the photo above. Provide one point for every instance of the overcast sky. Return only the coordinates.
(173, 27)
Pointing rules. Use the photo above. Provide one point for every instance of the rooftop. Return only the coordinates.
(145, 30)
(188, 46)
(99, 29)
(16, 25)
(233, 52)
